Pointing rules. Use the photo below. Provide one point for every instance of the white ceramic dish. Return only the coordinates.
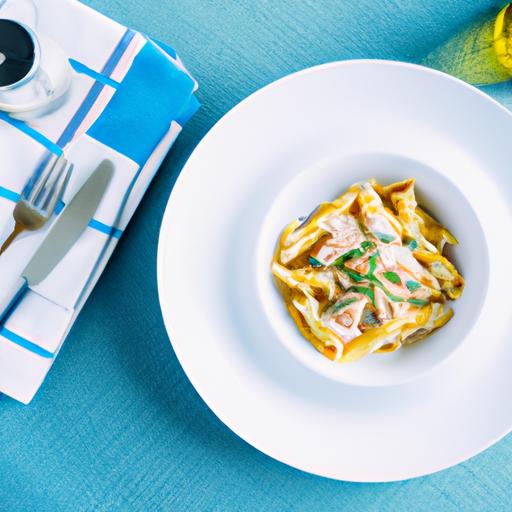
(300, 141)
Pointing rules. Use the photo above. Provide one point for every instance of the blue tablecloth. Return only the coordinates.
(117, 425)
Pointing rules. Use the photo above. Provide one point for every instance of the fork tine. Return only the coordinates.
(49, 190)
(40, 197)
(41, 180)
(59, 188)
(47, 162)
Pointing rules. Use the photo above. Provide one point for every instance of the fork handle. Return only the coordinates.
(11, 290)
(18, 229)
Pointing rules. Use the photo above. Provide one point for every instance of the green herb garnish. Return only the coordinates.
(394, 298)
(314, 262)
(372, 263)
(355, 276)
(365, 291)
(384, 237)
(392, 277)
(353, 253)
(367, 245)
(412, 286)
(418, 302)
(343, 303)
(370, 293)
(412, 244)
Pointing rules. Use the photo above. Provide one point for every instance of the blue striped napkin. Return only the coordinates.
(128, 101)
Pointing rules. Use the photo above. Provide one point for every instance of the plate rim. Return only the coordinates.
(166, 220)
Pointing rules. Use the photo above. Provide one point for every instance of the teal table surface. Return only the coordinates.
(117, 425)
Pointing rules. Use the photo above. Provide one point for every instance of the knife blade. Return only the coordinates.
(63, 234)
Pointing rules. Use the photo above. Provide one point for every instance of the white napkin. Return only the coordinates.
(128, 101)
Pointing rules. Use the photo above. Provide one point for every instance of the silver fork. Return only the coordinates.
(40, 197)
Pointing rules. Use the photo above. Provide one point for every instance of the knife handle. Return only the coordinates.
(11, 291)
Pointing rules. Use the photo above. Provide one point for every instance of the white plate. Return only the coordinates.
(295, 143)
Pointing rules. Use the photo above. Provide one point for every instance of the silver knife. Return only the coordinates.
(66, 230)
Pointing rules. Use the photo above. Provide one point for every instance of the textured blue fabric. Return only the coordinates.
(117, 425)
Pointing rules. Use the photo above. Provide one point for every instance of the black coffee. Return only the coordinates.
(16, 52)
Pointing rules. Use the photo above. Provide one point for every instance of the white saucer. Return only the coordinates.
(276, 155)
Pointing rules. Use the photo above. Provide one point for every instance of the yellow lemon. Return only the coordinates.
(503, 37)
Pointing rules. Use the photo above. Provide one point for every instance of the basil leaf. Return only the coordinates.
(354, 253)
(412, 286)
(394, 298)
(418, 302)
(343, 303)
(366, 245)
(365, 291)
(314, 262)
(392, 277)
(384, 237)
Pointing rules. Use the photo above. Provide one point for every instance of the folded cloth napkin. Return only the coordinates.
(128, 101)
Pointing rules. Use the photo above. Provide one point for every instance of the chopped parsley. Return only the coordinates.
(418, 302)
(367, 245)
(412, 286)
(372, 263)
(394, 298)
(354, 253)
(355, 276)
(364, 290)
(392, 277)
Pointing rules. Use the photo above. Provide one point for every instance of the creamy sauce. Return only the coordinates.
(372, 271)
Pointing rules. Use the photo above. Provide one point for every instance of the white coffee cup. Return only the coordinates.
(39, 68)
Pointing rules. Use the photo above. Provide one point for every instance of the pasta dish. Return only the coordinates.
(366, 272)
